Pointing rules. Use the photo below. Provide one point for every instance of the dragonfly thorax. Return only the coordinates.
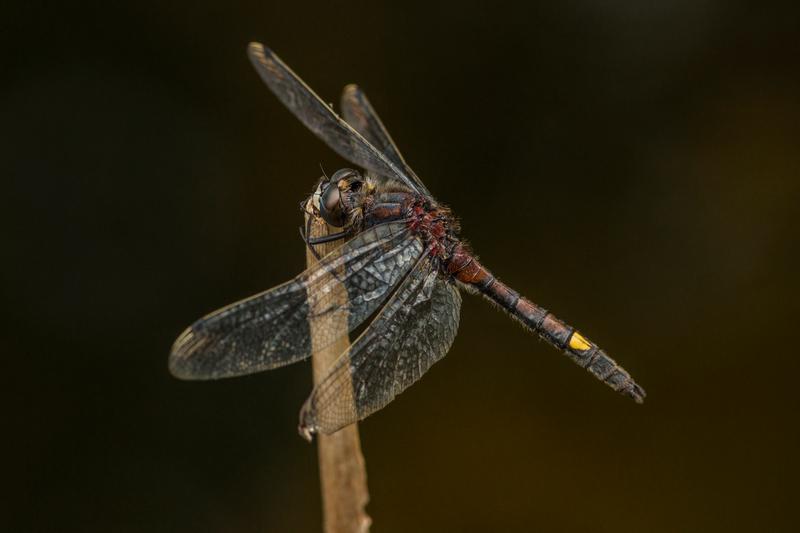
(358, 202)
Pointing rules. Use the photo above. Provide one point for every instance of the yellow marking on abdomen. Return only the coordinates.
(579, 343)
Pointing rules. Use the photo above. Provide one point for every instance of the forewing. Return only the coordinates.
(319, 117)
(414, 330)
(272, 329)
(358, 112)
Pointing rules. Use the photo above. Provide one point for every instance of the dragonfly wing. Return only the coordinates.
(413, 331)
(272, 329)
(358, 112)
(319, 117)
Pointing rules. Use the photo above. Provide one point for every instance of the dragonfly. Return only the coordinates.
(401, 265)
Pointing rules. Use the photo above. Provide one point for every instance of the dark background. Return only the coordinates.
(633, 168)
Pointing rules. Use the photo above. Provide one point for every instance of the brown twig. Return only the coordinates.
(343, 472)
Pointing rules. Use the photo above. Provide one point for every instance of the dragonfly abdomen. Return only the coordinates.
(467, 269)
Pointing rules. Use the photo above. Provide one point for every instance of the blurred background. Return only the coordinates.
(633, 168)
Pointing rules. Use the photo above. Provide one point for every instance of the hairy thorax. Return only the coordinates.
(372, 202)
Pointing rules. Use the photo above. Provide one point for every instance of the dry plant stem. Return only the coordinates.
(343, 472)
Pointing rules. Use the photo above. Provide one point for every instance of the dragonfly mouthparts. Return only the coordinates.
(306, 433)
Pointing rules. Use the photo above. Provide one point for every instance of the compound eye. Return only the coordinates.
(329, 206)
(339, 174)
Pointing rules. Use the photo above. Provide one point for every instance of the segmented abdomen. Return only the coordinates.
(467, 269)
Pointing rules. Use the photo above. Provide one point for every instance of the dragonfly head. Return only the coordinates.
(329, 198)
